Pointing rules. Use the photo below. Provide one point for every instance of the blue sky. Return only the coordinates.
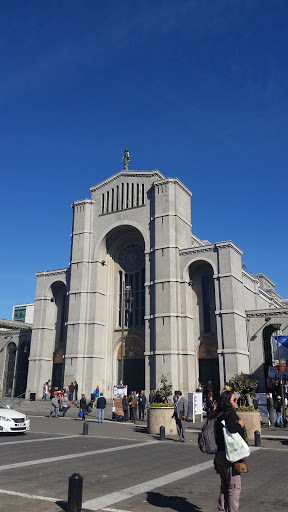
(196, 89)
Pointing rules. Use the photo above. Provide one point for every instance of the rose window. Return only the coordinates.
(132, 258)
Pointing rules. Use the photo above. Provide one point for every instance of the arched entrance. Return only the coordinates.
(22, 368)
(9, 368)
(134, 363)
(59, 292)
(209, 365)
(204, 322)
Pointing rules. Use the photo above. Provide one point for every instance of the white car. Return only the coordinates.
(12, 421)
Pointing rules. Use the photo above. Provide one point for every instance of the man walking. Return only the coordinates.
(180, 415)
(101, 404)
(270, 408)
(141, 405)
(71, 392)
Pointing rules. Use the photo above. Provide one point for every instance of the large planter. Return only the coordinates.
(251, 421)
(161, 416)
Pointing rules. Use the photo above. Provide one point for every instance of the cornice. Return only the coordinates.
(169, 181)
(196, 250)
(81, 202)
(267, 312)
(47, 273)
(127, 174)
(14, 326)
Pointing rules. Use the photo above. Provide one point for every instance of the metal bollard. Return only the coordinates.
(257, 438)
(162, 433)
(85, 428)
(75, 493)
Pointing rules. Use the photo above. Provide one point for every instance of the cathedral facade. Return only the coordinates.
(143, 297)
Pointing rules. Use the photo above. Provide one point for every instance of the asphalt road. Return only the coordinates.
(124, 469)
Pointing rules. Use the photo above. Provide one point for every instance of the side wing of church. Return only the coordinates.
(143, 297)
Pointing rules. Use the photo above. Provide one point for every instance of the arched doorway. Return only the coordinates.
(209, 364)
(204, 322)
(9, 368)
(134, 363)
(22, 368)
(59, 292)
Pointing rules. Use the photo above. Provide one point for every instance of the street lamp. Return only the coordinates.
(126, 305)
(281, 367)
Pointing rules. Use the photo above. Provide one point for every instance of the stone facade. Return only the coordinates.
(192, 307)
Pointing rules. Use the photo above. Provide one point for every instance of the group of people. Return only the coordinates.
(130, 404)
(71, 391)
(99, 402)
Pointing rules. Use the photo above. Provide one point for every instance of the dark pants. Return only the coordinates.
(125, 415)
(230, 487)
(141, 411)
(133, 414)
(180, 425)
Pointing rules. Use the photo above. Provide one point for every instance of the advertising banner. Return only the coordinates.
(119, 391)
(273, 373)
(283, 347)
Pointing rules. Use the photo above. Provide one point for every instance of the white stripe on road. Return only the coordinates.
(41, 439)
(73, 456)
(115, 497)
(23, 495)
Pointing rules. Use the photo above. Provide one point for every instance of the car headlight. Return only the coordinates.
(3, 418)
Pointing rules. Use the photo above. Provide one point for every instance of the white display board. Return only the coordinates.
(195, 405)
(119, 391)
(262, 402)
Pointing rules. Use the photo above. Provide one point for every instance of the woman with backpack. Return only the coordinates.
(230, 487)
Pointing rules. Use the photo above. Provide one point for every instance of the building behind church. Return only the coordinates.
(143, 297)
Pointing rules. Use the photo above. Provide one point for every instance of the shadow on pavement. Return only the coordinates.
(172, 502)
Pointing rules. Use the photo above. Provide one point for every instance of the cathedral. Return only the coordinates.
(144, 297)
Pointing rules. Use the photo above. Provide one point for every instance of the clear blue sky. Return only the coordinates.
(196, 89)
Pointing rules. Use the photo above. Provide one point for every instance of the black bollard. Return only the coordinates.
(85, 428)
(75, 493)
(162, 433)
(257, 438)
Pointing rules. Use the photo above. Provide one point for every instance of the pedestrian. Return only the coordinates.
(83, 406)
(209, 389)
(125, 407)
(64, 404)
(45, 391)
(180, 415)
(270, 408)
(54, 406)
(133, 407)
(152, 395)
(101, 404)
(141, 405)
(76, 389)
(279, 411)
(230, 487)
(209, 408)
(96, 392)
(71, 391)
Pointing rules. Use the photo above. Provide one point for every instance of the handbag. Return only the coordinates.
(235, 447)
(241, 466)
(80, 414)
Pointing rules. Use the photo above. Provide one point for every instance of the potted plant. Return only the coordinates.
(160, 413)
(246, 386)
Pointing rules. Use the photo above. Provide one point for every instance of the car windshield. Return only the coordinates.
(3, 406)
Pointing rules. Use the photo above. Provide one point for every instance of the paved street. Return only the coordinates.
(124, 469)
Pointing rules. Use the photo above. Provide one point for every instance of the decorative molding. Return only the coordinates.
(122, 210)
(81, 202)
(47, 273)
(83, 356)
(230, 312)
(74, 292)
(170, 352)
(266, 313)
(84, 232)
(42, 328)
(196, 250)
(128, 174)
(80, 322)
(171, 215)
(228, 274)
(233, 351)
(167, 281)
(40, 358)
(168, 315)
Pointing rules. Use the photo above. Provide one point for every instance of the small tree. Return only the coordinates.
(243, 384)
(166, 389)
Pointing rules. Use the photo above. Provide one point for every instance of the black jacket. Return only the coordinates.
(231, 421)
(101, 402)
